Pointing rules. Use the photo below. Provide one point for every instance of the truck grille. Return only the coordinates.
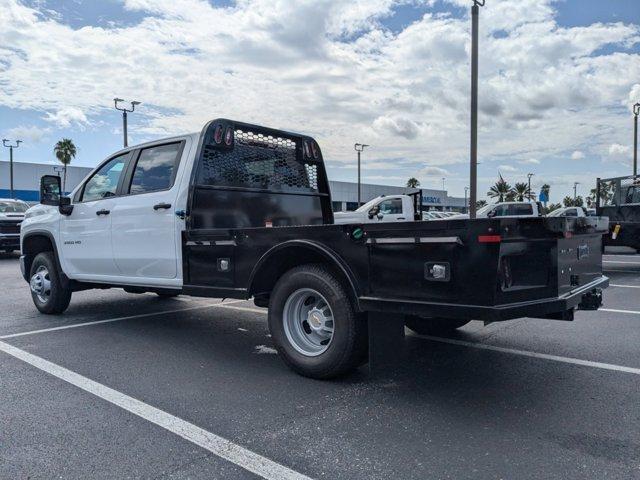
(10, 226)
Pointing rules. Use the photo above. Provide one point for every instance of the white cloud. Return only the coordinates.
(330, 69)
(619, 153)
(530, 161)
(67, 116)
(433, 171)
(31, 133)
(577, 155)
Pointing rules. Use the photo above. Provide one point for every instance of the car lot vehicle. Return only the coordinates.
(568, 212)
(385, 208)
(11, 216)
(507, 210)
(619, 199)
(241, 211)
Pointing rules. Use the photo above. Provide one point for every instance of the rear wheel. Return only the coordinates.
(433, 326)
(47, 291)
(314, 324)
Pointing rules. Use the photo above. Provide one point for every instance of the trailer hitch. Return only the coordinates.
(591, 300)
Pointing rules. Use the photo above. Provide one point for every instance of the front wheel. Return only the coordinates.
(433, 326)
(47, 291)
(314, 324)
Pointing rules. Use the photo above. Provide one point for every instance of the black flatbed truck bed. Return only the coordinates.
(279, 218)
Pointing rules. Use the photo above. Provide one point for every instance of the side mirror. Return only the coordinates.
(374, 211)
(491, 214)
(380, 216)
(50, 190)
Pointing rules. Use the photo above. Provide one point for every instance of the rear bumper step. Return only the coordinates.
(586, 297)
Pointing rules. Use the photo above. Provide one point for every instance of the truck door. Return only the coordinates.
(391, 210)
(144, 234)
(86, 234)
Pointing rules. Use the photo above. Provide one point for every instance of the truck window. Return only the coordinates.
(156, 169)
(572, 212)
(501, 210)
(520, 209)
(633, 195)
(391, 206)
(104, 182)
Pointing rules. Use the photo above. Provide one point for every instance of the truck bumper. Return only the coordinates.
(587, 297)
(9, 240)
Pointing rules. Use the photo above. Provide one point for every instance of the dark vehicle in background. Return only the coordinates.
(11, 216)
(244, 211)
(619, 199)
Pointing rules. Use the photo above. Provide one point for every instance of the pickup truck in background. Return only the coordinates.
(572, 212)
(507, 210)
(11, 216)
(385, 208)
(619, 199)
(244, 211)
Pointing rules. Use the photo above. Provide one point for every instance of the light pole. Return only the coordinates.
(359, 147)
(575, 187)
(5, 143)
(636, 112)
(124, 111)
(473, 173)
(529, 175)
(466, 189)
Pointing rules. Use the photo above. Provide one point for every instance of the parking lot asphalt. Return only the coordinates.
(157, 388)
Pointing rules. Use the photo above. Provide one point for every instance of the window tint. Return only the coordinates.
(104, 183)
(155, 169)
(391, 206)
(521, 209)
(572, 212)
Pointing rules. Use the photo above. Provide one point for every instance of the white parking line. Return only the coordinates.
(215, 444)
(526, 353)
(614, 310)
(118, 319)
(620, 261)
(623, 286)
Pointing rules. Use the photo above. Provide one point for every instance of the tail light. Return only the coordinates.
(489, 238)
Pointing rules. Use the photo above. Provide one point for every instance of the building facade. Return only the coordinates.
(26, 181)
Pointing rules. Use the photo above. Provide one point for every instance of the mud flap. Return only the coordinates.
(387, 348)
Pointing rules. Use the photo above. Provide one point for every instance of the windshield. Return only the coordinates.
(367, 206)
(13, 207)
(484, 209)
(557, 213)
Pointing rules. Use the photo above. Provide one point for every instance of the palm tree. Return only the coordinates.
(521, 191)
(413, 182)
(65, 151)
(501, 190)
(480, 203)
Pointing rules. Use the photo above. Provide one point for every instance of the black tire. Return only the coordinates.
(433, 326)
(347, 348)
(58, 298)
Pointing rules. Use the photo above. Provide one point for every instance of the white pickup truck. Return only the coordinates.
(385, 208)
(11, 216)
(507, 210)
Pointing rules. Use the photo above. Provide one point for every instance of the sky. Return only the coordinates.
(558, 79)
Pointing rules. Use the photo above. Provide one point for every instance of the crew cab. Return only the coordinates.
(385, 208)
(244, 211)
(11, 216)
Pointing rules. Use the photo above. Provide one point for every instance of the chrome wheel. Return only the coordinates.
(308, 322)
(41, 284)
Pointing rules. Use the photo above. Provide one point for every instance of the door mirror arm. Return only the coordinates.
(65, 207)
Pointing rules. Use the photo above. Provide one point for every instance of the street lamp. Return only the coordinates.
(636, 112)
(529, 175)
(473, 173)
(575, 186)
(124, 111)
(359, 147)
(5, 143)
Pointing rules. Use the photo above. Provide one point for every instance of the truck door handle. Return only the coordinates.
(400, 218)
(163, 206)
(103, 212)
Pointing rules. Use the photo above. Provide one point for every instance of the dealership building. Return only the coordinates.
(26, 178)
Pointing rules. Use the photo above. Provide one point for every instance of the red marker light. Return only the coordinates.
(217, 134)
(489, 238)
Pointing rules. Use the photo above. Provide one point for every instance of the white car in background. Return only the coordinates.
(11, 216)
(569, 212)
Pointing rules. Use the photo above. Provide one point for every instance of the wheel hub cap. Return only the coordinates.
(40, 284)
(308, 322)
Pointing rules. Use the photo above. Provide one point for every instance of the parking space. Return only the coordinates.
(158, 386)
